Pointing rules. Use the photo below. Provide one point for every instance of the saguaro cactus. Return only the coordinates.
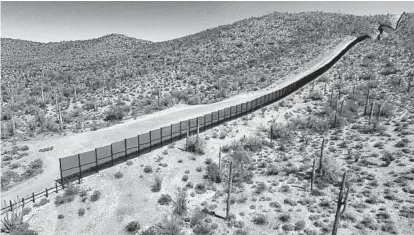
(366, 103)
(321, 156)
(341, 202)
(229, 192)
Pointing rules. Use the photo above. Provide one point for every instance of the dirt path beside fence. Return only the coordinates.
(77, 143)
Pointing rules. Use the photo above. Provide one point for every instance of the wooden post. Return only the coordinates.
(321, 156)
(56, 187)
(80, 167)
(229, 192)
(334, 125)
(79, 178)
(96, 160)
(366, 103)
(11, 205)
(112, 155)
(330, 100)
(33, 197)
(47, 193)
(338, 208)
(23, 202)
(205, 122)
(324, 89)
(313, 175)
(126, 150)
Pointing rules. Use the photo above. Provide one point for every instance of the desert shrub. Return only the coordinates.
(260, 219)
(197, 218)
(148, 169)
(193, 100)
(96, 195)
(202, 229)
(213, 173)
(180, 203)
(285, 217)
(89, 105)
(165, 199)
(196, 145)
(116, 113)
(208, 161)
(222, 135)
(261, 187)
(367, 222)
(184, 178)
(315, 95)
(199, 169)
(149, 231)
(300, 225)
(272, 169)
(289, 201)
(132, 226)
(252, 143)
(200, 188)
(157, 184)
(169, 226)
(61, 216)
(81, 212)
(288, 227)
(34, 168)
(285, 188)
(331, 169)
(389, 227)
(118, 175)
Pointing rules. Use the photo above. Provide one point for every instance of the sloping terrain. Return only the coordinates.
(271, 180)
(92, 77)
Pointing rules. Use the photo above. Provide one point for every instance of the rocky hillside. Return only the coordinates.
(114, 77)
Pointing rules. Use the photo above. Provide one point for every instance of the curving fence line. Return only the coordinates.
(87, 163)
(82, 164)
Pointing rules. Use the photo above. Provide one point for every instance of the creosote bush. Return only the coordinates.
(196, 145)
(165, 199)
(212, 173)
(132, 226)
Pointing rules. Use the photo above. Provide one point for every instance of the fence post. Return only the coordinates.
(96, 159)
(150, 141)
(229, 192)
(33, 197)
(61, 173)
(11, 205)
(47, 193)
(161, 136)
(189, 126)
(139, 148)
(205, 122)
(218, 117)
(126, 152)
(56, 186)
(181, 129)
(23, 201)
(171, 133)
(112, 155)
(80, 168)
(370, 113)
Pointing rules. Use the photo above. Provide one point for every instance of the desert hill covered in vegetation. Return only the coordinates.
(87, 84)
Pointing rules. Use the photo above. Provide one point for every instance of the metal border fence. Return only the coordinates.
(83, 164)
